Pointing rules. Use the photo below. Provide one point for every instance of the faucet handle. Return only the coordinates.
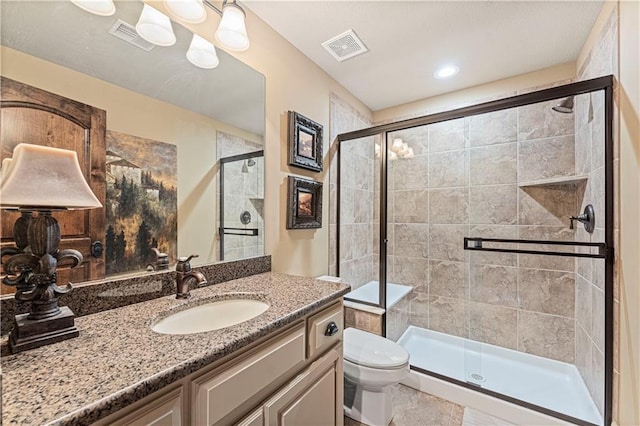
(183, 263)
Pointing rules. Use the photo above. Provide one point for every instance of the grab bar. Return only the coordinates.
(477, 245)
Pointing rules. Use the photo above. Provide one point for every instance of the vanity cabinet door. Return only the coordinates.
(314, 397)
(38, 117)
(166, 410)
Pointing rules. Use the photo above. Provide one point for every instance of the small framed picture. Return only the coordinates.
(304, 203)
(305, 142)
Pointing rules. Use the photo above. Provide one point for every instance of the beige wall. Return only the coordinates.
(629, 255)
(138, 115)
(476, 94)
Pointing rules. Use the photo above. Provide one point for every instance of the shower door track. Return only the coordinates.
(606, 249)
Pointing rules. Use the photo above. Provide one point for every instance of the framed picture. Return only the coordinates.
(304, 204)
(305, 142)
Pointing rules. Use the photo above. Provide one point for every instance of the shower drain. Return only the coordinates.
(478, 377)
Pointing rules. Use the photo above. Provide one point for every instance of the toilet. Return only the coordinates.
(372, 364)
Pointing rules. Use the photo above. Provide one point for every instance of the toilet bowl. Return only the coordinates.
(372, 364)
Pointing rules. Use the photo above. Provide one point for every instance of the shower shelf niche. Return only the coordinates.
(562, 180)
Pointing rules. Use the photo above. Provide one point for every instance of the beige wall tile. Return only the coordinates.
(447, 136)
(551, 292)
(446, 242)
(409, 270)
(583, 355)
(546, 158)
(493, 205)
(546, 335)
(597, 388)
(410, 173)
(417, 138)
(597, 318)
(497, 285)
(411, 206)
(583, 150)
(448, 206)
(449, 316)
(538, 120)
(493, 128)
(410, 239)
(493, 324)
(346, 245)
(449, 279)
(491, 165)
(362, 206)
(362, 241)
(583, 304)
(447, 169)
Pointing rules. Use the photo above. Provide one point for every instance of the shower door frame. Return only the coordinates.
(605, 84)
(221, 227)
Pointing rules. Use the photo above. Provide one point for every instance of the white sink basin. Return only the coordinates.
(210, 316)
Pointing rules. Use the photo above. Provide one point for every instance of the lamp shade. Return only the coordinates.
(155, 27)
(232, 32)
(97, 7)
(202, 53)
(189, 11)
(40, 177)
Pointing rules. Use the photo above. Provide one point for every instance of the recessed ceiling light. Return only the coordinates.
(446, 71)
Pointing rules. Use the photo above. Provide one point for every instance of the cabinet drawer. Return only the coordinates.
(317, 326)
(164, 411)
(222, 391)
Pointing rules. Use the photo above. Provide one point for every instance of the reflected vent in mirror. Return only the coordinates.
(127, 32)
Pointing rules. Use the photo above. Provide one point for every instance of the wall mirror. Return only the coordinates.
(168, 125)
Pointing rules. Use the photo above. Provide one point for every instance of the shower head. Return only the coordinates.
(245, 169)
(565, 107)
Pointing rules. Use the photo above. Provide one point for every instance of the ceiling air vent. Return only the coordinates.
(345, 46)
(127, 32)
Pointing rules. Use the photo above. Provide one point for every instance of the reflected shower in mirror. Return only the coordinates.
(168, 112)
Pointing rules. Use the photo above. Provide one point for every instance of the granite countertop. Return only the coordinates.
(118, 359)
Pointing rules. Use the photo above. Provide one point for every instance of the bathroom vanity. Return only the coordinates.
(282, 367)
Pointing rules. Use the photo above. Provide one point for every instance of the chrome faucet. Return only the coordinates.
(184, 275)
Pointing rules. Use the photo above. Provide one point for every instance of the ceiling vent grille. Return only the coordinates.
(345, 46)
(127, 32)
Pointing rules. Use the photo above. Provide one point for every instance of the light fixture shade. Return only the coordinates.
(45, 178)
(202, 53)
(190, 11)
(232, 32)
(155, 27)
(97, 7)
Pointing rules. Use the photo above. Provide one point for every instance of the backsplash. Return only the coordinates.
(97, 296)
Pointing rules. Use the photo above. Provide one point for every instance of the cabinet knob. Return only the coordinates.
(332, 329)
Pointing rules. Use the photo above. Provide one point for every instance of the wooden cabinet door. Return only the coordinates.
(34, 116)
(312, 398)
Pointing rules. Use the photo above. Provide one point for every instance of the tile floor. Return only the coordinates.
(414, 408)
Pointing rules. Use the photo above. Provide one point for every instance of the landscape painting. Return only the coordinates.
(141, 203)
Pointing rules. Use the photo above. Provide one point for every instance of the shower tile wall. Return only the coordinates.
(478, 177)
(590, 302)
(358, 264)
(243, 191)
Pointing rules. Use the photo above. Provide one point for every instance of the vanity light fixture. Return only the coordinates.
(155, 27)
(446, 71)
(97, 7)
(398, 149)
(40, 179)
(232, 31)
(189, 11)
(202, 53)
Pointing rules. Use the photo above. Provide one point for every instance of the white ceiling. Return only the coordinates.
(59, 32)
(409, 40)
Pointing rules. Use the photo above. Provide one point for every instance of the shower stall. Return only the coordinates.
(241, 203)
(488, 232)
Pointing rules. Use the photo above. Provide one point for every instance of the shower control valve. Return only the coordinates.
(588, 218)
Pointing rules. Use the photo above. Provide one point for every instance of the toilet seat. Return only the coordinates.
(373, 351)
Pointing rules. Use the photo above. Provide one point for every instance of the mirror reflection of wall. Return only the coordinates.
(155, 95)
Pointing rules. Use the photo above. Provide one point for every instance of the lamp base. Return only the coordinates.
(29, 334)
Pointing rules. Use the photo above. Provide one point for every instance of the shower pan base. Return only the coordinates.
(554, 385)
